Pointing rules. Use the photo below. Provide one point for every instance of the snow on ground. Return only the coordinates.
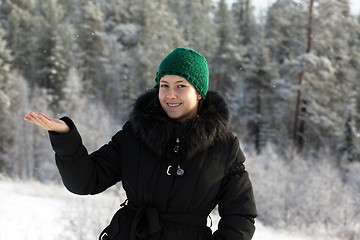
(27, 216)
(34, 211)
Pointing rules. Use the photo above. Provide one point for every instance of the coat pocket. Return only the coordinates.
(120, 225)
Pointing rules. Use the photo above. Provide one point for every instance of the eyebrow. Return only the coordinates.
(180, 81)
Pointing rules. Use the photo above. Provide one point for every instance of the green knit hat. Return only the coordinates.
(186, 63)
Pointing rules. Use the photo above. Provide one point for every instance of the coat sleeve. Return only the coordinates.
(84, 173)
(236, 202)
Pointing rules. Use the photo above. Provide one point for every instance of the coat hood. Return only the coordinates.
(156, 130)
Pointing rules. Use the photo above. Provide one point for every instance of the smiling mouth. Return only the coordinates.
(173, 104)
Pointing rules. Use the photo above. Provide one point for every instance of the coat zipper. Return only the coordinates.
(179, 170)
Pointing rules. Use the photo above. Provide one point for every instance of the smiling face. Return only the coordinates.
(178, 98)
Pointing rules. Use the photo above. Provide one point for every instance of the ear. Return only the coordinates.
(199, 96)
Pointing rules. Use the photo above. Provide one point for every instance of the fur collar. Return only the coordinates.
(155, 129)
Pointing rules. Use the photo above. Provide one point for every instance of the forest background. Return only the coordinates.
(291, 77)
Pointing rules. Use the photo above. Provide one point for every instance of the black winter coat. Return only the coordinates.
(147, 155)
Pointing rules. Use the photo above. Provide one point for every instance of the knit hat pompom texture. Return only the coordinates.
(186, 63)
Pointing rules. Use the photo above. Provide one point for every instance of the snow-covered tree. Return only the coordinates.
(326, 69)
(31, 156)
(20, 26)
(39, 162)
(285, 29)
(255, 99)
(227, 62)
(155, 43)
(17, 153)
(333, 42)
(243, 12)
(92, 44)
(198, 27)
(118, 12)
(6, 134)
(120, 93)
(349, 144)
(97, 129)
(261, 101)
(286, 37)
(72, 9)
(55, 48)
(308, 193)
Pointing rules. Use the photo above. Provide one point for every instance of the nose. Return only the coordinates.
(171, 93)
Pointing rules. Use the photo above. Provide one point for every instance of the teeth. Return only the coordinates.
(174, 104)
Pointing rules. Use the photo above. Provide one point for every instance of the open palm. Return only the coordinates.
(47, 123)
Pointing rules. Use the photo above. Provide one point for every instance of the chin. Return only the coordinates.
(175, 118)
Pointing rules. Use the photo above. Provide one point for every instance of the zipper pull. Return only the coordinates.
(180, 171)
(177, 146)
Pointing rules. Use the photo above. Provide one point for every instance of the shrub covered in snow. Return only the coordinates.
(309, 194)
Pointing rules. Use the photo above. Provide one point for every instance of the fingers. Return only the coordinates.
(45, 122)
(37, 119)
(45, 116)
(31, 117)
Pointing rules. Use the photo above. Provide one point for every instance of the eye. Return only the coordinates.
(181, 86)
(163, 85)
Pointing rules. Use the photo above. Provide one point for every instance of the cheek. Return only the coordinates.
(192, 100)
(160, 95)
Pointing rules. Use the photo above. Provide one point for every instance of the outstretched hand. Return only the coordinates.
(47, 123)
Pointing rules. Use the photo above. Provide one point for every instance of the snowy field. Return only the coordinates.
(34, 211)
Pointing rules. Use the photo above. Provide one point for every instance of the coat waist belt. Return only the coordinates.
(148, 221)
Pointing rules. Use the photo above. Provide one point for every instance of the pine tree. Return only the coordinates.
(285, 30)
(30, 156)
(92, 44)
(301, 102)
(124, 34)
(334, 42)
(72, 10)
(262, 99)
(20, 27)
(80, 106)
(255, 77)
(55, 48)
(244, 18)
(338, 40)
(198, 27)
(5, 10)
(39, 155)
(6, 135)
(154, 43)
(121, 62)
(227, 60)
(356, 63)
(349, 145)
(117, 12)
(326, 73)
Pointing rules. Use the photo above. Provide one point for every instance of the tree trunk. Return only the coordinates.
(301, 103)
(258, 123)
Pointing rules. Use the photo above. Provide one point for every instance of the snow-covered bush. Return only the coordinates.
(304, 193)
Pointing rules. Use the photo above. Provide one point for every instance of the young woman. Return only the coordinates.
(176, 158)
